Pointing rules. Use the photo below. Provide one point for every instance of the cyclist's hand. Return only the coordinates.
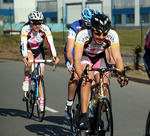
(25, 60)
(56, 59)
(123, 81)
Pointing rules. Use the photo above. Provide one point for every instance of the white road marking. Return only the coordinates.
(51, 110)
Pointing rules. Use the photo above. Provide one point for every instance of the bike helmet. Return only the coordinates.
(100, 23)
(87, 13)
(36, 16)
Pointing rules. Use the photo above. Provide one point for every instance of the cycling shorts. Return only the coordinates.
(98, 61)
(38, 56)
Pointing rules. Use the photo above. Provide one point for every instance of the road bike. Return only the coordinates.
(147, 131)
(31, 97)
(99, 112)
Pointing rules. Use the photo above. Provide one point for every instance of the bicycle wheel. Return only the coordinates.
(104, 125)
(76, 110)
(41, 114)
(147, 131)
(30, 101)
(109, 95)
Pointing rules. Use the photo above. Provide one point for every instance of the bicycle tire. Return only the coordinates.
(41, 114)
(76, 110)
(147, 130)
(109, 95)
(30, 101)
(104, 125)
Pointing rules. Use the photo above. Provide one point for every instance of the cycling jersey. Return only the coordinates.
(33, 41)
(147, 39)
(146, 53)
(91, 48)
(73, 29)
(147, 42)
(93, 53)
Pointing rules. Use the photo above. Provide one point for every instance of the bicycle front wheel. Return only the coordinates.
(30, 100)
(147, 131)
(109, 95)
(39, 112)
(76, 112)
(104, 126)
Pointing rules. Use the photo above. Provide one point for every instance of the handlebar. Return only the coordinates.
(102, 70)
(45, 61)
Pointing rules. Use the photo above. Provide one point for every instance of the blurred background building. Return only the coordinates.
(121, 12)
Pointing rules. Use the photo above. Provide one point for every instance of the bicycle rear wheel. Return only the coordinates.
(41, 114)
(147, 131)
(30, 100)
(104, 125)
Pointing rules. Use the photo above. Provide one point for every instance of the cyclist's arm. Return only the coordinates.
(70, 45)
(50, 43)
(23, 44)
(78, 51)
(69, 48)
(116, 54)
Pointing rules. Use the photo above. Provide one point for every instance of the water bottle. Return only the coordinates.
(91, 109)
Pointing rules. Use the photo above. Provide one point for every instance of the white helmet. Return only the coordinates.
(36, 15)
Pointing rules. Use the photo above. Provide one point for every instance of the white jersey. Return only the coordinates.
(33, 40)
(91, 48)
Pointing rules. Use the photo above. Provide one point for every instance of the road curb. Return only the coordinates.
(134, 79)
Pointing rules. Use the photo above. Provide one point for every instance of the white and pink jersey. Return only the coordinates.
(91, 48)
(33, 40)
(147, 39)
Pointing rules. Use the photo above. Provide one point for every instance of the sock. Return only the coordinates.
(26, 79)
(41, 101)
(69, 102)
(83, 114)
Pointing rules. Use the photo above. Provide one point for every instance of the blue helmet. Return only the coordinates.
(87, 13)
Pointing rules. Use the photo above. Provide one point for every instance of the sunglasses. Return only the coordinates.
(98, 33)
(36, 22)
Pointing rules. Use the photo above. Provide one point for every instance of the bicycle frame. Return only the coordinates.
(36, 72)
(32, 95)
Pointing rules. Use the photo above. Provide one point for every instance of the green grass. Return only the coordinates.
(129, 39)
(1, 29)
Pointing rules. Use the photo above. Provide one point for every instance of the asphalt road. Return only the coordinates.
(130, 59)
(130, 105)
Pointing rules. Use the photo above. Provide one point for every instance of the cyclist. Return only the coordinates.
(86, 15)
(146, 53)
(90, 46)
(33, 34)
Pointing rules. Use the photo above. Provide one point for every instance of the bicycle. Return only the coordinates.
(31, 97)
(99, 111)
(147, 131)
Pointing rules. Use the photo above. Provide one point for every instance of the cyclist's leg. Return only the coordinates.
(85, 95)
(27, 70)
(41, 94)
(40, 85)
(72, 85)
(101, 63)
